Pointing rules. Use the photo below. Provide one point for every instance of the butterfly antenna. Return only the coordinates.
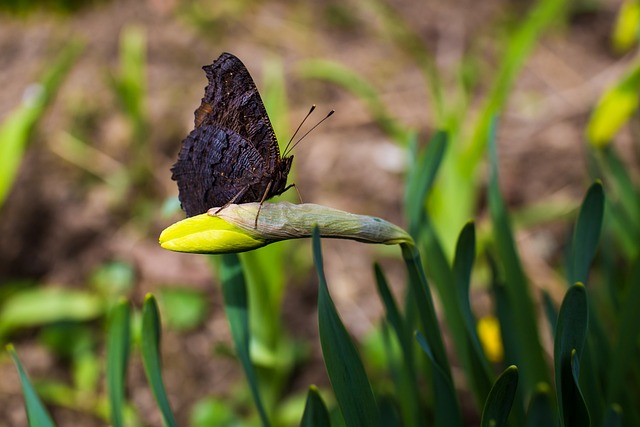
(308, 132)
(313, 107)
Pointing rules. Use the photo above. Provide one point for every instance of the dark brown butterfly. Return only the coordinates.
(232, 155)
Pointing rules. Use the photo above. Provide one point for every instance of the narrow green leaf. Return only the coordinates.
(623, 203)
(264, 272)
(623, 182)
(16, 129)
(36, 412)
(457, 194)
(528, 351)
(569, 342)
(419, 288)
(447, 411)
(150, 350)
(580, 415)
(479, 370)
(462, 330)
(625, 346)
(422, 295)
(463, 265)
(508, 333)
(118, 343)
(541, 412)
(550, 311)
(540, 16)
(407, 386)
(389, 415)
(236, 307)
(315, 411)
(587, 233)
(420, 179)
(498, 405)
(625, 230)
(392, 312)
(338, 74)
(42, 305)
(594, 365)
(344, 366)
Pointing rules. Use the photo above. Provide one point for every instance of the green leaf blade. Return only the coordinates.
(498, 405)
(407, 387)
(344, 366)
(587, 233)
(118, 345)
(479, 370)
(528, 355)
(569, 342)
(420, 179)
(150, 349)
(16, 129)
(36, 412)
(541, 411)
(315, 411)
(442, 385)
(236, 306)
(447, 412)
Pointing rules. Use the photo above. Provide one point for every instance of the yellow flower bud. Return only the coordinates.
(207, 234)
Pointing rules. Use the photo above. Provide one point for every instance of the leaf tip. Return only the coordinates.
(543, 388)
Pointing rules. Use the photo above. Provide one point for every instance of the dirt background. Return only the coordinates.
(57, 229)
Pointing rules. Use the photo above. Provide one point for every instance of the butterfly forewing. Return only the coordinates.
(232, 101)
(232, 155)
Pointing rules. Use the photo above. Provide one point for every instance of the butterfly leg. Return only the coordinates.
(266, 192)
(297, 191)
(264, 197)
(236, 197)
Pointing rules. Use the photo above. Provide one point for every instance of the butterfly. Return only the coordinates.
(232, 154)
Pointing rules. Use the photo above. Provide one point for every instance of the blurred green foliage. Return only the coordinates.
(17, 127)
(26, 7)
(403, 376)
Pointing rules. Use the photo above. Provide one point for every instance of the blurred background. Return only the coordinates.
(97, 96)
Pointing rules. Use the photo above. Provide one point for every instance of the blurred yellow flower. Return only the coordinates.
(616, 106)
(490, 338)
(625, 31)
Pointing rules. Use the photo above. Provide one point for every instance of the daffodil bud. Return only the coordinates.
(235, 228)
(205, 234)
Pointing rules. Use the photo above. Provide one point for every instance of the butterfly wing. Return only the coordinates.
(216, 165)
(231, 101)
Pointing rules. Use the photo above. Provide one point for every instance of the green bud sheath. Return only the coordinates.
(234, 229)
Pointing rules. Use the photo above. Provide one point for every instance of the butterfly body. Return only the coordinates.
(232, 155)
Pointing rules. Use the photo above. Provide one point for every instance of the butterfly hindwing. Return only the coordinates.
(205, 176)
